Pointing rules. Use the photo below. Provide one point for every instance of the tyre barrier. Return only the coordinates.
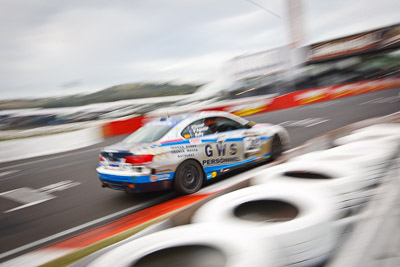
(368, 172)
(374, 147)
(385, 131)
(367, 158)
(372, 156)
(293, 214)
(196, 245)
(298, 222)
(345, 183)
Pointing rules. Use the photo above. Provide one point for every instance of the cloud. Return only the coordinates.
(326, 20)
(48, 43)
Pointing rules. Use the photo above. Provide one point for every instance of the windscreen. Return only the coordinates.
(147, 134)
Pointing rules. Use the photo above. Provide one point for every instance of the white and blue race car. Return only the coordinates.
(182, 151)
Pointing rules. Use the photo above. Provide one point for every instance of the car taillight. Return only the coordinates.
(101, 158)
(139, 159)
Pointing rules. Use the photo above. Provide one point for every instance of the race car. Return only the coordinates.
(180, 152)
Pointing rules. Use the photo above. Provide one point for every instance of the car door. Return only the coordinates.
(219, 147)
(228, 148)
(249, 141)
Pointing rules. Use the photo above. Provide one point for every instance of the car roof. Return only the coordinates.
(171, 120)
(178, 122)
(189, 117)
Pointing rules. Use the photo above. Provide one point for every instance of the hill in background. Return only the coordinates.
(115, 93)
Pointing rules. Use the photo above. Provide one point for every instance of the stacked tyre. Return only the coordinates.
(387, 131)
(297, 221)
(293, 214)
(344, 186)
(373, 147)
(212, 245)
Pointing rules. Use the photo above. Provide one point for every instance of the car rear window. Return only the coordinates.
(147, 134)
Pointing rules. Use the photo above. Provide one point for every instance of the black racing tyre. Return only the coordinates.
(188, 177)
(276, 147)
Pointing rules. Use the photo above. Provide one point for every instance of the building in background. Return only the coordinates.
(364, 56)
(258, 73)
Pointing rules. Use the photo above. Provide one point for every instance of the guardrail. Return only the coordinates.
(49, 143)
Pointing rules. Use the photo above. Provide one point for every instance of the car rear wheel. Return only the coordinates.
(276, 147)
(188, 177)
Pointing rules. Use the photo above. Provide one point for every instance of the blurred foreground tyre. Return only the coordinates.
(198, 245)
(299, 222)
(346, 185)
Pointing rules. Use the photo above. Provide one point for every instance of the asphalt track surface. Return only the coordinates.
(71, 195)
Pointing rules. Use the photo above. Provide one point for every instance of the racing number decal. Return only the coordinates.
(252, 144)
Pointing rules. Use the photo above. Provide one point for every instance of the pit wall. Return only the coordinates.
(294, 99)
(49, 144)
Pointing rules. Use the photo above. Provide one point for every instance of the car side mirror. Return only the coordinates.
(250, 124)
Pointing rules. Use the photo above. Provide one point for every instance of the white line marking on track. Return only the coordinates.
(382, 100)
(388, 99)
(25, 196)
(59, 186)
(304, 123)
(370, 101)
(30, 197)
(29, 204)
(5, 193)
(285, 122)
(85, 225)
(392, 114)
(8, 172)
(316, 123)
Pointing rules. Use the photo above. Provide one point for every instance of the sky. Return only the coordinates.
(54, 47)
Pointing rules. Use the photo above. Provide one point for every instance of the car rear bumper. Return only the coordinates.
(137, 188)
(131, 184)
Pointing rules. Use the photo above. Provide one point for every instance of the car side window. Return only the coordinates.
(196, 129)
(222, 124)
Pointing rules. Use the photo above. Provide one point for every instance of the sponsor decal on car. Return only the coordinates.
(220, 153)
(220, 161)
(160, 177)
(220, 149)
(195, 141)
